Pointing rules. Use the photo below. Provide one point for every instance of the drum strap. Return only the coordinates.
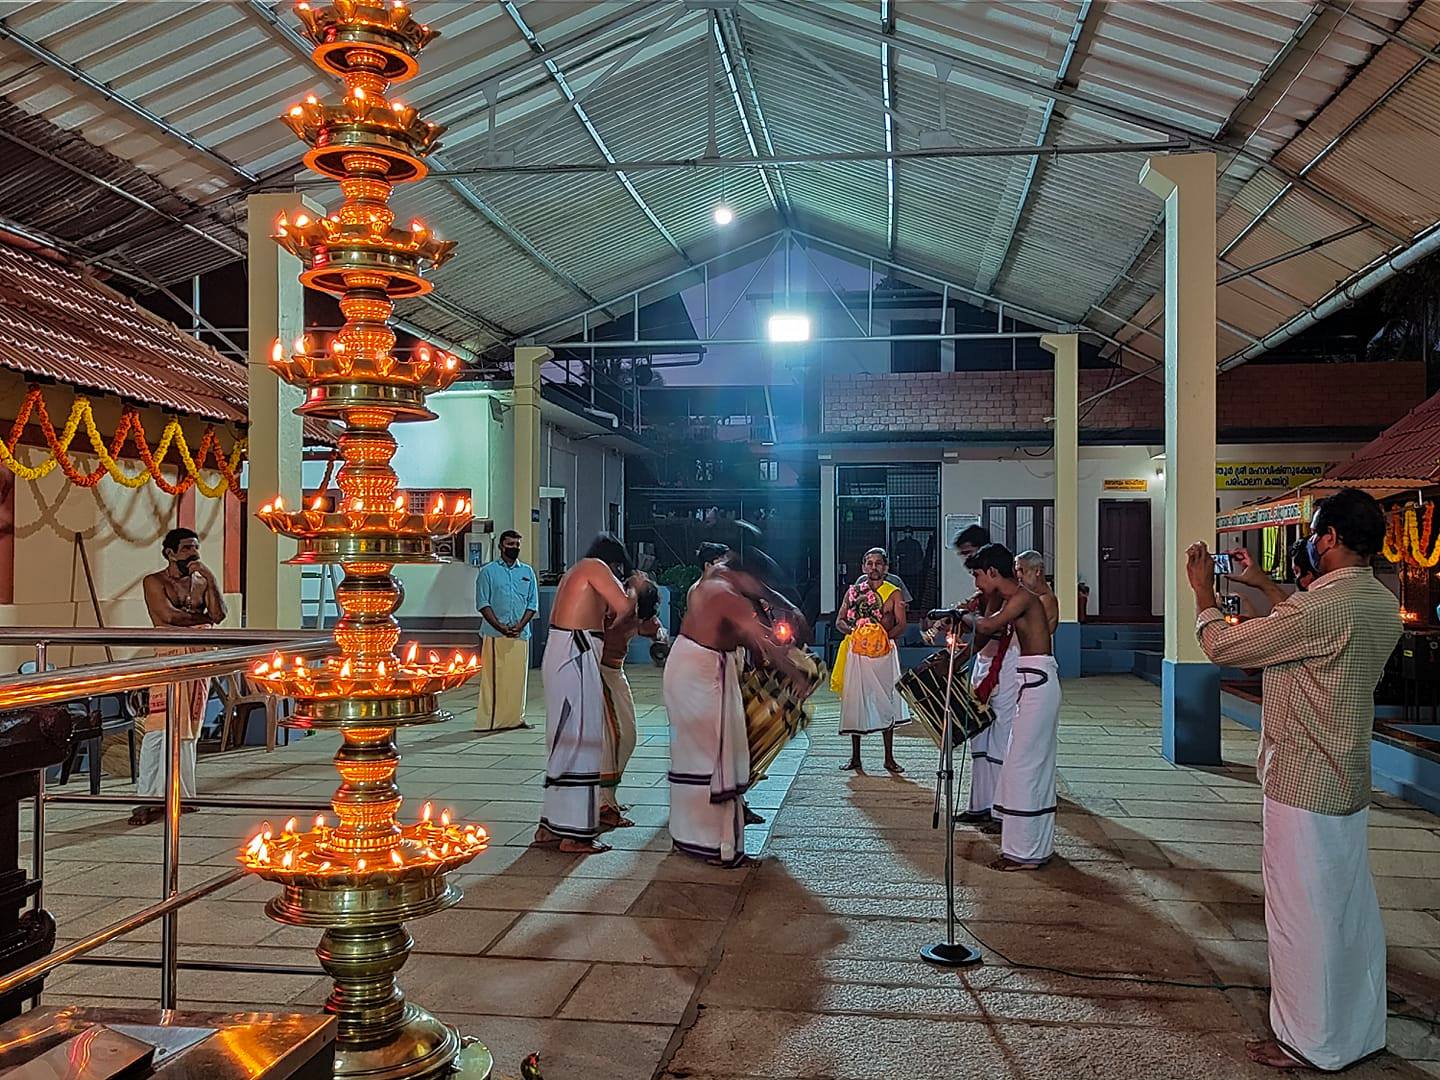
(992, 677)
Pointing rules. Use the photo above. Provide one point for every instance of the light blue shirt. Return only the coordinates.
(508, 591)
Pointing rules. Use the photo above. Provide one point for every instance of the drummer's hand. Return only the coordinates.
(930, 635)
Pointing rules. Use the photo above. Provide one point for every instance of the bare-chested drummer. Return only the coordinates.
(574, 698)
(709, 749)
(1025, 793)
(1030, 572)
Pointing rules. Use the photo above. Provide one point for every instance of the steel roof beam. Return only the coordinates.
(116, 189)
(73, 73)
(887, 87)
(292, 38)
(737, 70)
(1045, 136)
(557, 76)
(824, 17)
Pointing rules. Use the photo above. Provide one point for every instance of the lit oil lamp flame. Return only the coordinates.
(345, 670)
(411, 652)
(396, 858)
(783, 631)
(426, 811)
(291, 825)
(434, 657)
(301, 220)
(297, 110)
(399, 502)
(277, 351)
(319, 821)
(279, 502)
(289, 860)
(318, 503)
(444, 819)
(359, 864)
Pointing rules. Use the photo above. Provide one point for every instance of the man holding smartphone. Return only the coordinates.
(1323, 652)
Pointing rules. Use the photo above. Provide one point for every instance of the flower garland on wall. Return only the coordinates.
(130, 430)
(1410, 536)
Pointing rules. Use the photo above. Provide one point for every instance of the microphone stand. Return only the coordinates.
(949, 953)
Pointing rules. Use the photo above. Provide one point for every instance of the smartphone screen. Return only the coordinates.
(1222, 563)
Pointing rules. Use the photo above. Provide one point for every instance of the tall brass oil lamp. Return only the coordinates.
(360, 878)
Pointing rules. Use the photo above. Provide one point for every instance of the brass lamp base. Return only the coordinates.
(424, 1049)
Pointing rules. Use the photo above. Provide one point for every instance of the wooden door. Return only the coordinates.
(1125, 569)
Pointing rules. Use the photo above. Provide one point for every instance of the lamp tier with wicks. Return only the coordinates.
(360, 879)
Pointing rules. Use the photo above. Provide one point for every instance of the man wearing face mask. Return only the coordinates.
(184, 594)
(507, 598)
(1323, 652)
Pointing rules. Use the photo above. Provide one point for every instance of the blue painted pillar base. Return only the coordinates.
(1190, 705)
(1067, 649)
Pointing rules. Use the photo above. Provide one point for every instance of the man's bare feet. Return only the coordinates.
(545, 838)
(894, 767)
(1011, 865)
(1272, 1055)
(853, 765)
(583, 847)
(611, 818)
(144, 815)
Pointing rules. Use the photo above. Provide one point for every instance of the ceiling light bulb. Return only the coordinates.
(723, 214)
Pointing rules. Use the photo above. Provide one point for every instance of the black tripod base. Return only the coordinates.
(946, 955)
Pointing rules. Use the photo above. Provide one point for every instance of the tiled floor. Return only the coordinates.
(642, 964)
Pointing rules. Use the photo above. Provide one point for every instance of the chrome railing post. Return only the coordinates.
(37, 820)
(169, 943)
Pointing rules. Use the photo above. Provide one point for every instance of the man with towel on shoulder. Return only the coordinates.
(590, 591)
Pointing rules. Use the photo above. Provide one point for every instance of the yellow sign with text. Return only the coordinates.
(1140, 484)
(1266, 476)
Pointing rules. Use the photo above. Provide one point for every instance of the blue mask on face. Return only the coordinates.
(1312, 548)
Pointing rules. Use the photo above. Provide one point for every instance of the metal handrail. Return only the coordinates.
(90, 680)
(141, 637)
(104, 935)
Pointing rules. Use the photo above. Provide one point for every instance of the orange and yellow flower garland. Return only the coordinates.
(1410, 536)
(130, 429)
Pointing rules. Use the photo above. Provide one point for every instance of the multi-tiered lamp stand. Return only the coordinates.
(361, 878)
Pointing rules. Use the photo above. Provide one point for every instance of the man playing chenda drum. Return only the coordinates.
(1025, 792)
(996, 683)
(709, 747)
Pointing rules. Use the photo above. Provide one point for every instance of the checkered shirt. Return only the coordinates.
(1323, 652)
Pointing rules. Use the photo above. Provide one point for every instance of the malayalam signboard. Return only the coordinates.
(1266, 475)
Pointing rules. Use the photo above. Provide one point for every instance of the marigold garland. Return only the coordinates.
(130, 430)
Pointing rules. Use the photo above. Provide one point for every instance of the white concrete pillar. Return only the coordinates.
(525, 430)
(1066, 350)
(1190, 684)
(277, 310)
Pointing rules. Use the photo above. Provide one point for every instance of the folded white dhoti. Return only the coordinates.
(1025, 793)
(574, 733)
(1326, 940)
(504, 674)
(619, 732)
(868, 700)
(709, 751)
(988, 749)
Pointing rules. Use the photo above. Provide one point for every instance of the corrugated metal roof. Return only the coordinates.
(58, 322)
(1067, 234)
(1404, 455)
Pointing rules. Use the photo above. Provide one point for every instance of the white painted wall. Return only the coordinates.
(467, 448)
(1008, 473)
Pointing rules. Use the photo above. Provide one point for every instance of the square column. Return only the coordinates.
(1066, 350)
(525, 429)
(1190, 690)
(277, 310)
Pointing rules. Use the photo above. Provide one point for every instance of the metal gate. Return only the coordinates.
(896, 507)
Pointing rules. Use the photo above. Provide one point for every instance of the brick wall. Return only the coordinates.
(1252, 397)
